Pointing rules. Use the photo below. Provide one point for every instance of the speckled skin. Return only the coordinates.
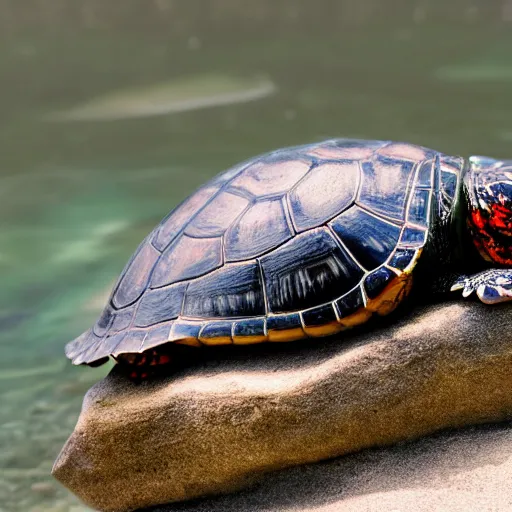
(300, 242)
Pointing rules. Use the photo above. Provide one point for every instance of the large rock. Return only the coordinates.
(217, 426)
(466, 470)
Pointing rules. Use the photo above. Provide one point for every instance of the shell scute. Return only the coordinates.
(425, 174)
(400, 150)
(385, 187)
(122, 319)
(261, 228)
(173, 224)
(187, 258)
(402, 258)
(285, 327)
(249, 330)
(320, 315)
(419, 207)
(309, 269)
(350, 303)
(185, 330)
(160, 305)
(377, 281)
(217, 216)
(413, 237)
(370, 239)
(235, 290)
(156, 335)
(135, 278)
(271, 176)
(216, 333)
(325, 191)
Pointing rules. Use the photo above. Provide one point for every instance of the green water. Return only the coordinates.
(112, 112)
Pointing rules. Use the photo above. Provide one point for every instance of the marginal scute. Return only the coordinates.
(319, 315)
(375, 283)
(285, 327)
(111, 342)
(324, 192)
(402, 258)
(350, 303)
(86, 352)
(216, 333)
(261, 228)
(413, 237)
(187, 258)
(157, 335)
(323, 272)
(78, 345)
(184, 330)
(132, 342)
(173, 224)
(370, 240)
(104, 321)
(234, 290)
(135, 278)
(217, 216)
(270, 176)
(249, 330)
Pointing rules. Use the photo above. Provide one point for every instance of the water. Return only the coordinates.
(112, 112)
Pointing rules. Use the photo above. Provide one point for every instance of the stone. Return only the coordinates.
(462, 471)
(239, 412)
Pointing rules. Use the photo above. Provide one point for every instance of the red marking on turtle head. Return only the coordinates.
(489, 185)
(492, 233)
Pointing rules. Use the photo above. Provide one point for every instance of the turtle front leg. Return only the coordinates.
(492, 286)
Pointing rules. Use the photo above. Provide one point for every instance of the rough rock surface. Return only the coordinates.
(239, 413)
(467, 470)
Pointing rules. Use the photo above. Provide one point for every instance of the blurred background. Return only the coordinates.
(112, 112)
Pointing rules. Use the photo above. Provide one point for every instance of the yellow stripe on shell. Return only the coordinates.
(222, 340)
(391, 296)
(361, 316)
(323, 330)
(191, 342)
(249, 340)
(277, 335)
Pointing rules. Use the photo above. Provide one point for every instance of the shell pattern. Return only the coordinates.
(278, 248)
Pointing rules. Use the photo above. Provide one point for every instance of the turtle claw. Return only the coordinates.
(458, 285)
(491, 286)
(465, 284)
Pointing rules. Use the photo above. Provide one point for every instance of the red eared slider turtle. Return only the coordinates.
(308, 241)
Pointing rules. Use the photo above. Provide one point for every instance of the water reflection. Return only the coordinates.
(78, 195)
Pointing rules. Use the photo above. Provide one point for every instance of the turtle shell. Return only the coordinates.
(299, 242)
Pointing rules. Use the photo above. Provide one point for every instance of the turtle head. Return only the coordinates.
(489, 190)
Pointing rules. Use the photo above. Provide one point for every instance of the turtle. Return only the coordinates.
(308, 241)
